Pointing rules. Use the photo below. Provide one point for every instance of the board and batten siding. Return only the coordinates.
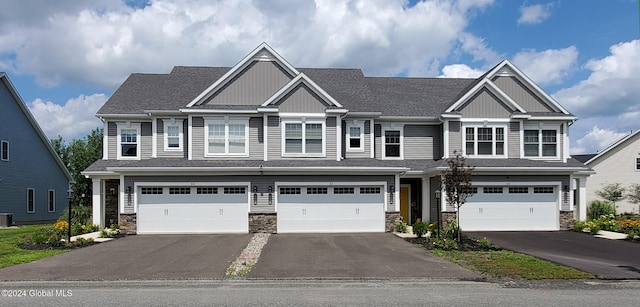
(485, 104)
(301, 100)
(523, 96)
(422, 142)
(264, 78)
(366, 142)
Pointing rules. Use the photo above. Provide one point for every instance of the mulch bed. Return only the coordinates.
(468, 244)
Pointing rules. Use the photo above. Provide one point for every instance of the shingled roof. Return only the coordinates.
(392, 96)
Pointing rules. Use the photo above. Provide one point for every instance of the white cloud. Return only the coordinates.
(478, 48)
(534, 14)
(550, 66)
(612, 86)
(460, 71)
(100, 42)
(73, 120)
(595, 140)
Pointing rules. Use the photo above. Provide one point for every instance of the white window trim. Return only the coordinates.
(127, 125)
(303, 121)
(635, 165)
(50, 199)
(539, 128)
(226, 121)
(173, 122)
(34, 200)
(8, 150)
(383, 140)
(491, 125)
(359, 124)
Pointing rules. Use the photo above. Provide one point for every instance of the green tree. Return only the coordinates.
(457, 183)
(77, 156)
(633, 193)
(613, 192)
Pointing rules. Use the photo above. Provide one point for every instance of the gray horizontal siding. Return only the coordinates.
(256, 138)
(274, 142)
(273, 137)
(514, 140)
(521, 94)
(455, 138)
(366, 142)
(112, 138)
(331, 141)
(197, 140)
(378, 141)
(264, 78)
(485, 104)
(421, 142)
(160, 139)
(146, 141)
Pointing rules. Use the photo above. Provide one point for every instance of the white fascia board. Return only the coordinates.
(526, 169)
(562, 118)
(340, 169)
(217, 111)
(163, 112)
(337, 111)
(124, 116)
(528, 82)
(268, 110)
(520, 116)
(612, 146)
(494, 88)
(238, 67)
(454, 116)
(410, 119)
(364, 114)
(301, 78)
(94, 174)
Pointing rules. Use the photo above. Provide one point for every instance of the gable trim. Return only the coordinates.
(485, 83)
(239, 67)
(301, 79)
(527, 82)
(612, 146)
(35, 125)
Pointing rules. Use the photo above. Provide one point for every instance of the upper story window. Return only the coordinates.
(355, 136)
(484, 141)
(4, 150)
(392, 142)
(173, 134)
(303, 138)
(52, 201)
(226, 137)
(128, 141)
(540, 143)
(637, 164)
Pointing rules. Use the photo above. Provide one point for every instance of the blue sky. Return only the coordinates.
(67, 57)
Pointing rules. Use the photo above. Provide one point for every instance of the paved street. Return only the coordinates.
(322, 293)
(613, 259)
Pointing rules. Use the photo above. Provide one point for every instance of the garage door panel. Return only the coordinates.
(192, 218)
(325, 217)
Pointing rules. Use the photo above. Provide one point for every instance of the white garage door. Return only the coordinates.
(315, 209)
(513, 208)
(202, 209)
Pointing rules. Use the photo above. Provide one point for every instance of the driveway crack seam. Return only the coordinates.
(248, 257)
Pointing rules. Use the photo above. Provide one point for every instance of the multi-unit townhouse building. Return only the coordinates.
(266, 146)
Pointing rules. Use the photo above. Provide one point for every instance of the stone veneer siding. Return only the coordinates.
(566, 220)
(127, 223)
(391, 218)
(447, 218)
(263, 222)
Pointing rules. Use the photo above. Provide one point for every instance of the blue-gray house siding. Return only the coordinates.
(31, 164)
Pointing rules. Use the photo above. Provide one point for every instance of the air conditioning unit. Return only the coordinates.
(6, 219)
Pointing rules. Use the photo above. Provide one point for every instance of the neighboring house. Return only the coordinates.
(266, 146)
(33, 179)
(618, 163)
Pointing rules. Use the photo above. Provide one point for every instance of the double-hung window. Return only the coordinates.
(484, 141)
(540, 143)
(128, 141)
(355, 136)
(4, 150)
(303, 138)
(392, 147)
(226, 137)
(637, 164)
(173, 134)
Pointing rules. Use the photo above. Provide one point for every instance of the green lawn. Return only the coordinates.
(11, 254)
(507, 264)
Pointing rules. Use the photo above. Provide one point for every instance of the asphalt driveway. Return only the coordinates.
(366, 256)
(138, 257)
(611, 259)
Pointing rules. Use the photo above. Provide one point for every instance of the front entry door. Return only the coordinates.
(405, 203)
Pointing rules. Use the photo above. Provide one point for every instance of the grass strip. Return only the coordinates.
(11, 254)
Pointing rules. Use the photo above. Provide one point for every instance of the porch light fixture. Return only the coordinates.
(129, 191)
(255, 195)
(270, 190)
(392, 190)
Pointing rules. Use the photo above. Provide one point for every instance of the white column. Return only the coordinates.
(396, 195)
(98, 213)
(572, 186)
(426, 193)
(582, 198)
(154, 137)
(339, 138)
(105, 141)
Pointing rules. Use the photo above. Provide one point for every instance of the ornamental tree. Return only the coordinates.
(456, 181)
(613, 192)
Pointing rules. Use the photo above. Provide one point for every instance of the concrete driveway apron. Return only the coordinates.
(610, 259)
(359, 256)
(137, 258)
